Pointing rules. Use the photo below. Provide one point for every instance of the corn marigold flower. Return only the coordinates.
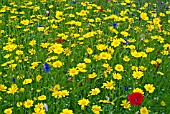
(83, 102)
(163, 103)
(149, 88)
(66, 111)
(144, 110)
(125, 104)
(96, 109)
(28, 103)
(119, 67)
(108, 85)
(135, 98)
(42, 97)
(8, 111)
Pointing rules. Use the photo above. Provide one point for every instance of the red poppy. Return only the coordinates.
(107, 0)
(135, 98)
(60, 40)
(101, 9)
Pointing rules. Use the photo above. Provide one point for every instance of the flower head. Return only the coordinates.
(46, 67)
(135, 98)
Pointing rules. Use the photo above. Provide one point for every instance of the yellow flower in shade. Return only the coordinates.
(108, 85)
(144, 110)
(19, 104)
(8, 111)
(110, 50)
(42, 97)
(2, 87)
(144, 16)
(95, 91)
(119, 67)
(27, 81)
(66, 111)
(96, 109)
(97, 57)
(163, 103)
(25, 22)
(83, 102)
(138, 90)
(149, 87)
(117, 76)
(125, 104)
(67, 51)
(93, 75)
(21, 90)
(28, 103)
(57, 64)
(137, 74)
(73, 71)
(38, 78)
(126, 58)
(32, 42)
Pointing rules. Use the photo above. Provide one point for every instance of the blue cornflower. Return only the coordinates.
(13, 80)
(46, 67)
(127, 42)
(115, 25)
(18, 9)
(126, 88)
(74, 2)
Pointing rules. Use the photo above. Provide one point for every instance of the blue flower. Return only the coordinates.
(127, 42)
(125, 88)
(74, 2)
(13, 80)
(115, 25)
(46, 67)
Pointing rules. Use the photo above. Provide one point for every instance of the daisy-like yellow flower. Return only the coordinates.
(96, 109)
(2, 87)
(126, 58)
(28, 103)
(57, 64)
(115, 43)
(95, 91)
(108, 85)
(117, 76)
(32, 42)
(125, 104)
(119, 67)
(137, 74)
(163, 103)
(149, 87)
(144, 16)
(73, 71)
(66, 111)
(27, 81)
(42, 97)
(93, 75)
(144, 110)
(83, 102)
(8, 111)
(38, 78)
(138, 90)
(25, 22)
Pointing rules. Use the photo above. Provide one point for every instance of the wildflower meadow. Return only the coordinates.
(84, 57)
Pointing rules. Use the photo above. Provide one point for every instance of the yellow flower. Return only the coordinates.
(28, 103)
(32, 51)
(137, 74)
(42, 97)
(73, 71)
(64, 93)
(19, 52)
(38, 78)
(86, 60)
(21, 89)
(89, 51)
(149, 87)
(144, 110)
(2, 87)
(19, 104)
(59, 14)
(117, 76)
(105, 55)
(83, 102)
(101, 47)
(93, 75)
(96, 109)
(119, 67)
(144, 16)
(25, 22)
(108, 85)
(8, 111)
(138, 90)
(125, 104)
(95, 91)
(148, 49)
(66, 111)
(32, 42)
(56, 87)
(115, 43)
(57, 64)
(13, 89)
(163, 103)
(124, 33)
(27, 81)
(126, 58)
